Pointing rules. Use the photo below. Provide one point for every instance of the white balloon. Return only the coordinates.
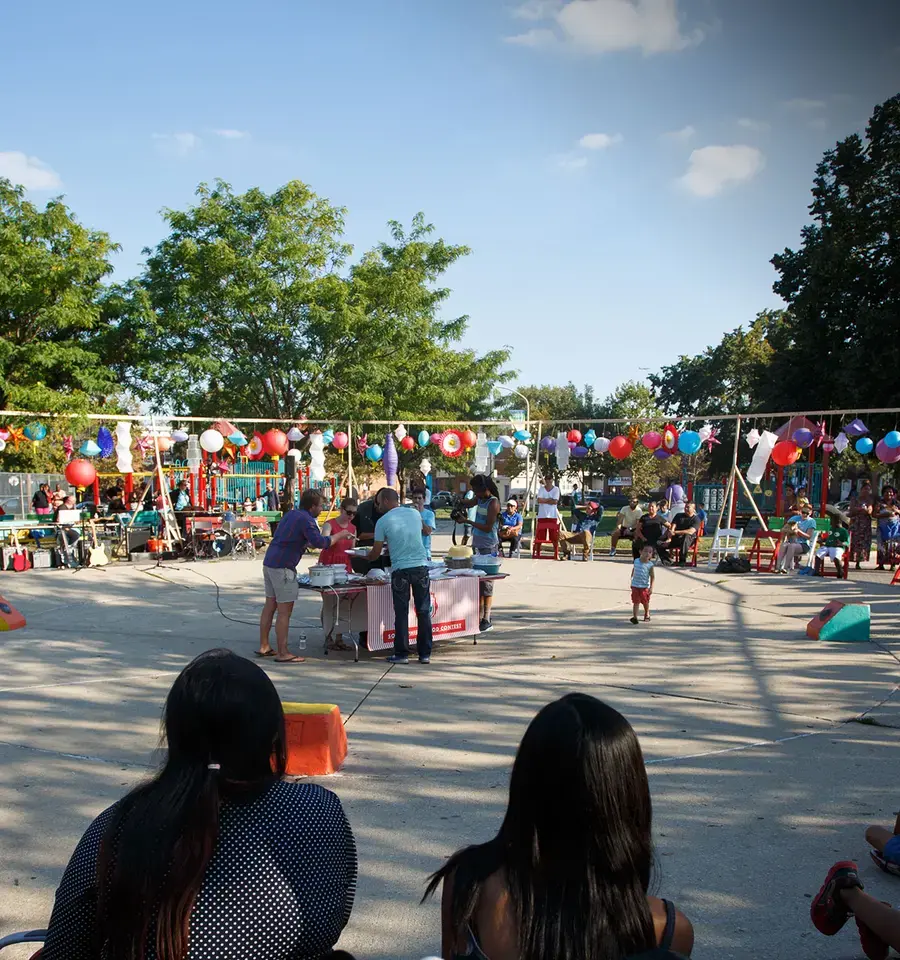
(763, 451)
(562, 451)
(124, 459)
(705, 431)
(295, 453)
(520, 451)
(13, 481)
(601, 444)
(212, 441)
(294, 434)
(752, 438)
(508, 442)
(400, 432)
(2, 445)
(425, 466)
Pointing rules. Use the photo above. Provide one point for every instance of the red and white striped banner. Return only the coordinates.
(454, 612)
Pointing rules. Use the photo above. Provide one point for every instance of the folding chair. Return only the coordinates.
(762, 549)
(28, 936)
(696, 545)
(727, 542)
(546, 531)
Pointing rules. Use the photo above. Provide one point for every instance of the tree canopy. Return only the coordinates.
(251, 305)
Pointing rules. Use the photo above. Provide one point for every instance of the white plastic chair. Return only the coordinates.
(727, 542)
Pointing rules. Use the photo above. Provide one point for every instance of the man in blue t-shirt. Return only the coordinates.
(428, 519)
(401, 530)
(510, 526)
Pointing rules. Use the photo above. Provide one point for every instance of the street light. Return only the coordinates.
(528, 428)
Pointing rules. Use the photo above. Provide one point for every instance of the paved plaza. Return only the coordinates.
(761, 773)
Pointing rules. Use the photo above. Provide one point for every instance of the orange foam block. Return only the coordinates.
(10, 618)
(316, 739)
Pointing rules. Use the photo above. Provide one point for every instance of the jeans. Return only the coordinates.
(415, 578)
(682, 544)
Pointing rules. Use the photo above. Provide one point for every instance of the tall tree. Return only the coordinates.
(51, 270)
(843, 283)
(251, 306)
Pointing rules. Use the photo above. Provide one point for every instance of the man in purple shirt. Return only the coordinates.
(296, 531)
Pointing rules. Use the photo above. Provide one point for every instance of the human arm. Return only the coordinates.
(375, 552)
(428, 522)
(652, 578)
(683, 935)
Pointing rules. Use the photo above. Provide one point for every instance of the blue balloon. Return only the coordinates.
(864, 445)
(689, 442)
(523, 436)
(892, 439)
(495, 446)
(589, 438)
(374, 453)
(328, 436)
(424, 438)
(89, 449)
(35, 431)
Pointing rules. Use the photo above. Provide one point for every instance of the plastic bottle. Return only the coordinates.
(301, 642)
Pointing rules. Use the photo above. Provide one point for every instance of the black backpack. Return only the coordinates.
(732, 564)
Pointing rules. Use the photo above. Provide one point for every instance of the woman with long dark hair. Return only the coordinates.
(485, 537)
(567, 876)
(216, 856)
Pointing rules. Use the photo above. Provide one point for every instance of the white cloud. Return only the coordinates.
(536, 9)
(177, 144)
(682, 135)
(712, 169)
(604, 26)
(231, 134)
(537, 37)
(757, 126)
(599, 141)
(817, 123)
(571, 162)
(803, 105)
(30, 172)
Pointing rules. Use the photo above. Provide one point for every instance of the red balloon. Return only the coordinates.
(786, 452)
(469, 439)
(620, 447)
(574, 436)
(275, 443)
(80, 473)
(408, 443)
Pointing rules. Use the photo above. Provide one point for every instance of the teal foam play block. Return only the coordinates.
(851, 624)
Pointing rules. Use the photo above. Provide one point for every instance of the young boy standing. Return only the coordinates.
(642, 577)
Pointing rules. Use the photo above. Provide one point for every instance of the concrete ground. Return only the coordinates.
(761, 774)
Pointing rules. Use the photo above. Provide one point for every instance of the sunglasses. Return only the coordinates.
(350, 513)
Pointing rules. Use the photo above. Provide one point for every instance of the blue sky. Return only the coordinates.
(622, 169)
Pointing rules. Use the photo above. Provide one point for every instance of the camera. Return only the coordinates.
(458, 511)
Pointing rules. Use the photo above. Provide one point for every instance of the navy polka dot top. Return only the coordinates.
(279, 886)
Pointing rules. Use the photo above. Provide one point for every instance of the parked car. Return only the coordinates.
(443, 498)
(12, 507)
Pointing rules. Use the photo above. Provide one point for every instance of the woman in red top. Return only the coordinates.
(337, 553)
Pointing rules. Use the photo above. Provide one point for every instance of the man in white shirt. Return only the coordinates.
(626, 523)
(548, 499)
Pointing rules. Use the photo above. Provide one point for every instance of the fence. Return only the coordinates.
(17, 489)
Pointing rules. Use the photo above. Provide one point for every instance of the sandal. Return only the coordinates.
(828, 913)
(883, 863)
(291, 660)
(268, 653)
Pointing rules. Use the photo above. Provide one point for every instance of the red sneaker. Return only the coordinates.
(828, 913)
(873, 946)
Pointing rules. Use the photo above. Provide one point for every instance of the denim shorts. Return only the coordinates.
(892, 850)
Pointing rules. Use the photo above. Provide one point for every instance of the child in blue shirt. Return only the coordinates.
(642, 577)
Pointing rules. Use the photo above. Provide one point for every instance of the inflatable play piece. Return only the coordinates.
(316, 740)
(10, 618)
(847, 622)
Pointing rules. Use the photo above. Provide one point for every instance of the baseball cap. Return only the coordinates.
(512, 500)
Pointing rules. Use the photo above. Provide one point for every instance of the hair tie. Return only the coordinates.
(214, 766)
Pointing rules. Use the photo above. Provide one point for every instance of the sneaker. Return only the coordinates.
(828, 913)
(396, 659)
(485, 626)
(424, 659)
(634, 619)
(612, 553)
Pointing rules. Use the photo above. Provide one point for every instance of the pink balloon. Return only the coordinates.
(652, 440)
(435, 438)
(340, 440)
(885, 454)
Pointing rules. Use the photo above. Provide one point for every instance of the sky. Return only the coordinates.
(623, 170)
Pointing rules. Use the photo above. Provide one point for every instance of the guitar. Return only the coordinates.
(98, 557)
(21, 558)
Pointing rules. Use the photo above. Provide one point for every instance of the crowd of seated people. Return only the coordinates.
(218, 856)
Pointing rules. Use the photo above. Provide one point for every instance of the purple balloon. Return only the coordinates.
(661, 454)
(887, 454)
(579, 452)
(390, 459)
(803, 437)
(548, 444)
(572, 444)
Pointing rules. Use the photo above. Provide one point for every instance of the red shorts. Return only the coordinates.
(640, 595)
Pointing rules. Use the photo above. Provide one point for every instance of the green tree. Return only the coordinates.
(556, 405)
(51, 271)
(251, 306)
(735, 376)
(843, 284)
